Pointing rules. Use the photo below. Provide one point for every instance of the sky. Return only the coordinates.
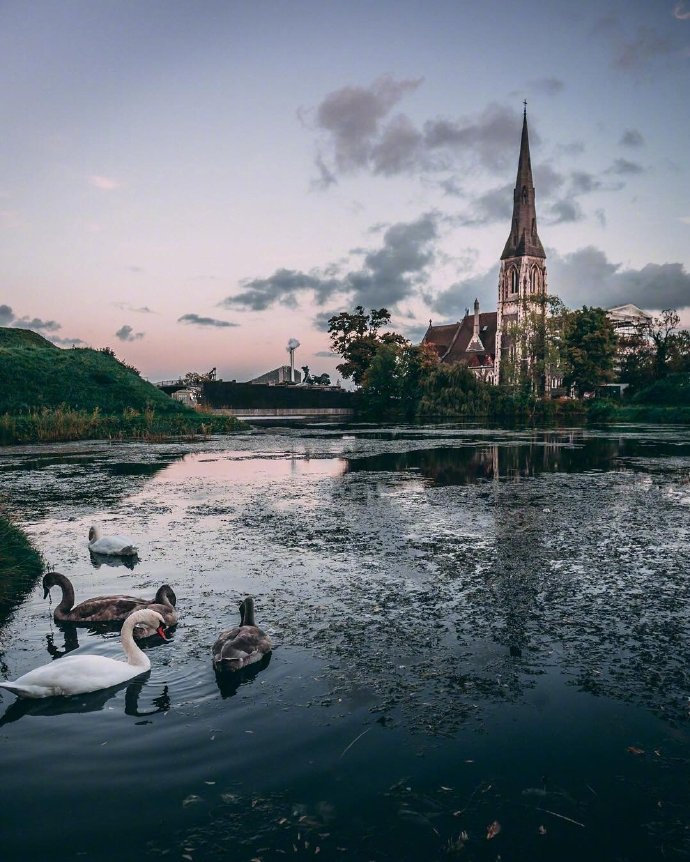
(194, 183)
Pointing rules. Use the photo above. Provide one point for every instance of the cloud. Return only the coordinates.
(680, 12)
(631, 138)
(494, 205)
(582, 183)
(587, 277)
(204, 321)
(106, 184)
(622, 167)
(489, 139)
(456, 299)
(66, 341)
(565, 211)
(126, 333)
(326, 354)
(644, 47)
(8, 318)
(387, 274)
(142, 309)
(547, 86)
(37, 324)
(352, 117)
(359, 132)
(261, 293)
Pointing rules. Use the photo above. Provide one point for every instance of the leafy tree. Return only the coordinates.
(357, 339)
(383, 382)
(453, 390)
(536, 355)
(417, 363)
(655, 349)
(321, 379)
(663, 335)
(590, 349)
(196, 378)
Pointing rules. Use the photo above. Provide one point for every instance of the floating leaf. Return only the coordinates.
(492, 830)
(633, 749)
(542, 830)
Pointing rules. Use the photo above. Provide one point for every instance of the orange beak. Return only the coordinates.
(161, 631)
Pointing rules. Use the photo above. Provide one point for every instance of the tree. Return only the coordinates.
(356, 338)
(535, 356)
(321, 379)
(590, 349)
(382, 384)
(662, 332)
(655, 349)
(196, 378)
(417, 363)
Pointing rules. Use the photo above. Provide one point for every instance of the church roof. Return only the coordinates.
(452, 340)
(524, 239)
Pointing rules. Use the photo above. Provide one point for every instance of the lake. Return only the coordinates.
(481, 648)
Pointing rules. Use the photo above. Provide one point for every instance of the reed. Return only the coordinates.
(20, 565)
(61, 424)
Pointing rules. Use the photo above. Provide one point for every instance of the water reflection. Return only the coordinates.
(466, 465)
(71, 641)
(228, 683)
(98, 560)
(92, 702)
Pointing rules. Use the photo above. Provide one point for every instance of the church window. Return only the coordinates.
(524, 194)
(513, 281)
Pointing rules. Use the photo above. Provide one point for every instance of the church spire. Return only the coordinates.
(523, 239)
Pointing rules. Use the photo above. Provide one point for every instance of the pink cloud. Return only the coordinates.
(105, 183)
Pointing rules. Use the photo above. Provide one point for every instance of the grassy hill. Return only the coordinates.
(51, 394)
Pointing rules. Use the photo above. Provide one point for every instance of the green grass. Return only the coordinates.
(48, 394)
(20, 565)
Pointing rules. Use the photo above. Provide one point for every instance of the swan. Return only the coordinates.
(241, 646)
(108, 609)
(79, 674)
(115, 546)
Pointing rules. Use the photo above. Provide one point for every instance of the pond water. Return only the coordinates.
(472, 627)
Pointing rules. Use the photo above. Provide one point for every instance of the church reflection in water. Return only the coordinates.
(560, 452)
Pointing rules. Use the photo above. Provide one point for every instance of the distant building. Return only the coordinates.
(186, 396)
(278, 375)
(481, 341)
(627, 319)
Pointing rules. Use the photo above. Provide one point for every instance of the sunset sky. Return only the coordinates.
(193, 183)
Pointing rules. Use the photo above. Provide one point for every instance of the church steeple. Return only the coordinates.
(524, 239)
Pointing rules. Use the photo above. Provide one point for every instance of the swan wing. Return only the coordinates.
(118, 546)
(106, 609)
(74, 675)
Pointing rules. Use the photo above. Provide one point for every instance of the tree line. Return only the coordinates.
(572, 352)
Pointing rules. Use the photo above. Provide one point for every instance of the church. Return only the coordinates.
(482, 340)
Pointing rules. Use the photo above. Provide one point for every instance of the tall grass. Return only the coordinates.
(60, 424)
(20, 565)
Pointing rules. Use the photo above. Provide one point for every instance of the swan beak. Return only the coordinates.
(161, 631)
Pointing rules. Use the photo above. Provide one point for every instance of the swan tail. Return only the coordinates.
(20, 690)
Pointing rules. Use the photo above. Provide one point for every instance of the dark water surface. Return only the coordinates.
(470, 626)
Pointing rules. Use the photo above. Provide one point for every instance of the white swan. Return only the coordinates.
(78, 674)
(113, 546)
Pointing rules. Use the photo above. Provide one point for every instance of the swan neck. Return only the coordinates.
(248, 615)
(135, 655)
(67, 600)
